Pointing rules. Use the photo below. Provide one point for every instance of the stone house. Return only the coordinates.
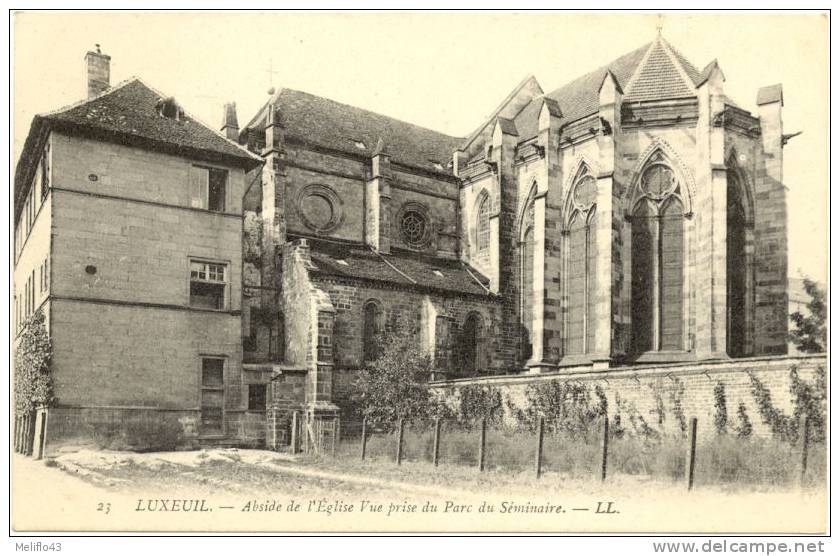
(633, 218)
(128, 238)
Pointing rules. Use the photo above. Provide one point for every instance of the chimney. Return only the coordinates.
(230, 124)
(98, 72)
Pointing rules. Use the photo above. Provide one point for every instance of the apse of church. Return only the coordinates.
(633, 216)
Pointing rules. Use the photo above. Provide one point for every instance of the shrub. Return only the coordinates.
(32, 376)
(809, 336)
(479, 401)
(567, 407)
(394, 386)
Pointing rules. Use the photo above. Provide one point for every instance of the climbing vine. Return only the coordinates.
(808, 400)
(721, 416)
(32, 377)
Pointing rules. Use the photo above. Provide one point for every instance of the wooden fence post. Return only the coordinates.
(295, 429)
(803, 428)
(482, 444)
(400, 430)
(436, 445)
(692, 453)
(605, 447)
(538, 458)
(364, 437)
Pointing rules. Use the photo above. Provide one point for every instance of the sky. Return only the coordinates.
(444, 71)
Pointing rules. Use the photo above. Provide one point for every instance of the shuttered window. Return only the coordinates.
(212, 396)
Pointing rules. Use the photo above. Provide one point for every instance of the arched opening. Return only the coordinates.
(371, 329)
(471, 345)
(736, 268)
(657, 263)
(482, 225)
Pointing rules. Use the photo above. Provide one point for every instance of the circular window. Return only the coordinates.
(415, 227)
(319, 208)
(658, 180)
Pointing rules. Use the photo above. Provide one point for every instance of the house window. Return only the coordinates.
(46, 274)
(208, 188)
(212, 395)
(371, 330)
(208, 285)
(483, 225)
(256, 397)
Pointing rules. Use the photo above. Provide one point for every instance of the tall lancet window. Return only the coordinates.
(526, 284)
(657, 261)
(482, 225)
(736, 267)
(581, 254)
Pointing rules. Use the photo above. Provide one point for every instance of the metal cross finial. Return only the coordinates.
(659, 24)
(271, 73)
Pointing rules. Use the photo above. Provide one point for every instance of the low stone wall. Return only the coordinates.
(665, 394)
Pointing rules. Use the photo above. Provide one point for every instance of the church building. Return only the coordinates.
(634, 216)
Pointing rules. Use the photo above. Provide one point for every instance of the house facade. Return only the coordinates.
(128, 227)
(633, 217)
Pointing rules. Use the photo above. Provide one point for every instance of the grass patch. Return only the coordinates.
(722, 460)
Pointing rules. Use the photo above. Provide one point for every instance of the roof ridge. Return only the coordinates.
(82, 102)
(200, 121)
(678, 62)
(631, 82)
(600, 70)
(683, 61)
(372, 112)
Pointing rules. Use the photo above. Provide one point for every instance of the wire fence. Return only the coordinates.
(596, 452)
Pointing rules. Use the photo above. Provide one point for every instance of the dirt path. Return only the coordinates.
(251, 490)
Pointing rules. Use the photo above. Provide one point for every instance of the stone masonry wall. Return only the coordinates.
(690, 386)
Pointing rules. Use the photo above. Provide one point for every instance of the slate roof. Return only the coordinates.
(128, 113)
(338, 126)
(579, 98)
(658, 78)
(400, 267)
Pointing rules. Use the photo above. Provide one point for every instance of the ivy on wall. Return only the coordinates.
(32, 377)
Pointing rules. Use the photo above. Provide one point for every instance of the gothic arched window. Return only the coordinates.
(736, 268)
(581, 255)
(482, 225)
(371, 329)
(657, 262)
(527, 290)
